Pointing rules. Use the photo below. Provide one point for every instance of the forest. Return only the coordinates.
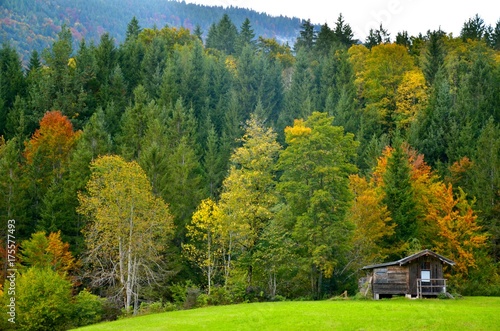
(169, 172)
(34, 24)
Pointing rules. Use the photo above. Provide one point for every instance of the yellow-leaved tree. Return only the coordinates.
(205, 248)
(372, 225)
(128, 228)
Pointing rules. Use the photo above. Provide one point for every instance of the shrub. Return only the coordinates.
(87, 309)
(169, 306)
(219, 296)
(185, 294)
(279, 298)
(151, 308)
(191, 297)
(202, 300)
(360, 296)
(43, 300)
(110, 310)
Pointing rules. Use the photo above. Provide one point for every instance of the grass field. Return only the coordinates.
(471, 313)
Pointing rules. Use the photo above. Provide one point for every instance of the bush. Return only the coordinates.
(185, 295)
(87, 309)
(169, 306)
(360, 296)
(43, 300)
(151, 308)
(202, 300)
(279, 298)
(110, 310)
(191, 297)
(219, 296)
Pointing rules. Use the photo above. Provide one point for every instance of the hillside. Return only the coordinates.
(162, 172)
(34, 24)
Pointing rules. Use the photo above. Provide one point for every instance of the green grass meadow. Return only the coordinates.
(470, 313)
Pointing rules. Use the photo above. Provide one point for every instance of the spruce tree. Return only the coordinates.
(307, 37)
(223, 36)
(400, 201)
(434, 55)
(343, 32)
(245, 37)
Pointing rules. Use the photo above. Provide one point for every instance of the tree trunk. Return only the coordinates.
(129, 260)
(209, 267)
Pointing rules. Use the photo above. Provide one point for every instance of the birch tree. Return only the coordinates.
(128, 228)
(205, 246)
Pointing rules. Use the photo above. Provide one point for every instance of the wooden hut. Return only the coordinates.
(417, 275)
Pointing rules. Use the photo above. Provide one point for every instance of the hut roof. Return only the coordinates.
(410, 258)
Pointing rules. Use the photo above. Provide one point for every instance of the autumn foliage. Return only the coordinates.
(51, 144)
(49, 251)
(445, 222)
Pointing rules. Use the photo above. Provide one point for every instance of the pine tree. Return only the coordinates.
(223, 36)
(400, 201)
(299, 95)
(182, 189)
(57, 58)
(434, 55)
(495, 37)
(133, 29)
(403, 39)
(473, 29)
(198, 32)
(245, 37)
(152, 67)
(12, 82)
(485, 176)
(13, 202)
(429, 133)
(307, 37)
(35, 62)
(130, 56)
(154, 156)
(133, 124)
(343, 32)
(325, 40)
(377, 37)
(213, 166)
(106, 57)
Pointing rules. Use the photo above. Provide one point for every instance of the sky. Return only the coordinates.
(413, 16)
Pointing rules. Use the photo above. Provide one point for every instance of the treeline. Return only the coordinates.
(33, 25)
(166, 173)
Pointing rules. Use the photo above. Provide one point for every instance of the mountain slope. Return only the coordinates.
(33, 24)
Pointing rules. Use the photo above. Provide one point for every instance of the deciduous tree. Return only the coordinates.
(249, 189)
(205, 246)
(314, 183)
(128, 228)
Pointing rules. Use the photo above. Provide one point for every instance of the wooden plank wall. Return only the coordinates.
(390, 280)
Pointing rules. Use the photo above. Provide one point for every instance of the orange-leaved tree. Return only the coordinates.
(48, 251)
(47, 156)
(49, 148)
(459, 236)
(445, 222)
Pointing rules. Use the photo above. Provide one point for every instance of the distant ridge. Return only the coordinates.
(33, 24)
